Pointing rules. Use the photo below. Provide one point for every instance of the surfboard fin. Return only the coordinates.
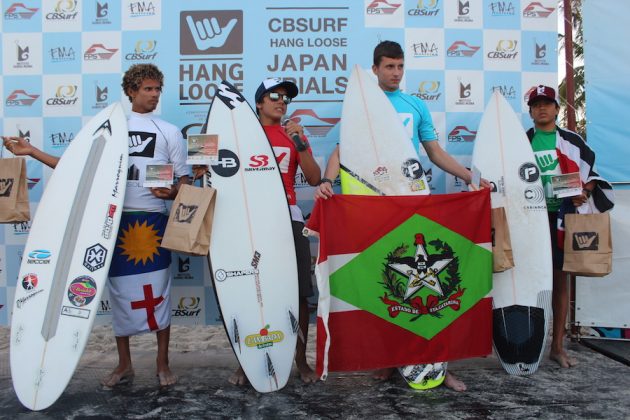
(235, 334)
(271, 371)
(295, 326)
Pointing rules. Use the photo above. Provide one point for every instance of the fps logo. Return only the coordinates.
(18, 11)
(206, 32)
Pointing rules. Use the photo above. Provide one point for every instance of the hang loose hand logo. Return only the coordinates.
(585, 241)
(546, 162)
(137, 144)
(207, 33)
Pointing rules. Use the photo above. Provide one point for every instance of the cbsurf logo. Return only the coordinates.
(505, 50)
(144, 50)
(425, 8)
(188, 307)
(65, 10)
(39, 256)
(65, 95)
(429, 90)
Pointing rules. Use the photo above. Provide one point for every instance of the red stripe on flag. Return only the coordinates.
(371, 217)
(362, 341)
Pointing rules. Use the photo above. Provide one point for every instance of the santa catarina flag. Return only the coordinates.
(402, 280)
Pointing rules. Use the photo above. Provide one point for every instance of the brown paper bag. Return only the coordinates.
(502, 258)
(190, 223)
(587, 244)
(14, 205)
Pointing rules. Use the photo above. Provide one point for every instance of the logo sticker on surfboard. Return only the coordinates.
(95, 257)
(264, 338)
(29, 281)
(82, 291)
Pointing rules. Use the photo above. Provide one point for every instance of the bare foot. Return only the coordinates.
(563, 359)
(238, 378)
(117, 377)
(167, 378)
(451, 381)
(307, 374)
(383, 374)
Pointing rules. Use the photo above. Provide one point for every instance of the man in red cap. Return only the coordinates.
(557, 152)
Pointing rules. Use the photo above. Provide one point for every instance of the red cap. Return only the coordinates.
(541, 92)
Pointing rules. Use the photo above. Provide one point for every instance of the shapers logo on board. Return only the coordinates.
(18, 11)
(20, 97)
(425, 8)
(211, 32)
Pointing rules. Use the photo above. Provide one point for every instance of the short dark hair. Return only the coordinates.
(389, 49)
(133, 77)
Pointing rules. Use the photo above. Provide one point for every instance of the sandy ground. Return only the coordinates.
(599, 388)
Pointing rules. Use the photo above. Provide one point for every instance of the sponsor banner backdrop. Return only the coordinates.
(62, 62)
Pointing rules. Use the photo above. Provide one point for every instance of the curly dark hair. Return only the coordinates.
(132, 80)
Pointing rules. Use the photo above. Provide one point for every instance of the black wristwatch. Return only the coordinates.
(326, 180)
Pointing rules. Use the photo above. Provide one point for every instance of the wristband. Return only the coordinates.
(326, 180)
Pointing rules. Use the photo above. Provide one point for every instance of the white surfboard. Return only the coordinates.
(66, 259)
(377, 158)
(376, 154)
(521, 295)
(252, 254)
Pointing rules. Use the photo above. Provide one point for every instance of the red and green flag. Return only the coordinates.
(402, 280)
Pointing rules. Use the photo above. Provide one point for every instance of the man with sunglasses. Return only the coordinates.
(291, 148)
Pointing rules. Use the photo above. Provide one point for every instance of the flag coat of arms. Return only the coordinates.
(402, 280)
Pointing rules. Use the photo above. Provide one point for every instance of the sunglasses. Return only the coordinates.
(275, 96)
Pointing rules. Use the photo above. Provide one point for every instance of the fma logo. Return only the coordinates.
(19, 97)
(425, 8)
(64, 10)
(314, 124)
(429, 90)
(98, 52)
(65, 95)
(204, 32)
(509, 92)
(461, 49)
(144, 50)
(61, 139)
(382, 7)
(537, 11)
(141, 9)
(424, 49)
(502, 8)
(505, 50)
(17, 11)
(62, 54)
(460, 134)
